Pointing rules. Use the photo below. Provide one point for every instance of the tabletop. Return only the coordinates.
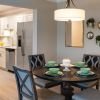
(69, 76)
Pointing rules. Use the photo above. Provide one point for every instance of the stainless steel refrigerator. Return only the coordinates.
(24, 42)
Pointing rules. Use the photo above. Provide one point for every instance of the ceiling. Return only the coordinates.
(6, 8)
(97, 2)
(94, 4)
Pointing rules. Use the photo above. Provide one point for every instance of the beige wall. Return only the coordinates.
(46, 26)
(47, 33)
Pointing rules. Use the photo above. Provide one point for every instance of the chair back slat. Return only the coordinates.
(25, 84)
(92, 60)
(36, 61)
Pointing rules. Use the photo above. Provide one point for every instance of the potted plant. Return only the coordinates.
(98, 40)
(91, 22)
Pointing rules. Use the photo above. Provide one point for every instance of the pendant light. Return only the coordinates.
(69, 14)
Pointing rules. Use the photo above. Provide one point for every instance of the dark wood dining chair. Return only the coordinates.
(92, 61)
(27, 89)
(38, 61)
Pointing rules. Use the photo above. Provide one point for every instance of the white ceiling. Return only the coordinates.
(6, 8)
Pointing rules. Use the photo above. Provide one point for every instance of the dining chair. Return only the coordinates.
(87, 94)
(38, 61)
(27, 89)
(92, 61)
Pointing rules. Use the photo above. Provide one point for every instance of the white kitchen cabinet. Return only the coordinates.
(2, 58)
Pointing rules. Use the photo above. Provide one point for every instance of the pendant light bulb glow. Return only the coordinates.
(69, 14)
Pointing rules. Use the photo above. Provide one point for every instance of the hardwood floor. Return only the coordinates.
(8, 89)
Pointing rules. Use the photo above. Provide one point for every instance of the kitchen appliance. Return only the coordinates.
(24, 42)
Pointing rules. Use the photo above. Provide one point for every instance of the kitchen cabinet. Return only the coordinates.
(7, 57)
(10, 58)
(2, 58)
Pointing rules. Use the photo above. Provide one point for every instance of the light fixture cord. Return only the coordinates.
(68, 3)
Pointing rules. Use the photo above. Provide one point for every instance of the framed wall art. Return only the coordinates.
(90, 35)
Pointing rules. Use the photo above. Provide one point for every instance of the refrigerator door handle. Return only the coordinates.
(23, 43)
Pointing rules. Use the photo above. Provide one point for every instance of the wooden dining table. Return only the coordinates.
(67, 79)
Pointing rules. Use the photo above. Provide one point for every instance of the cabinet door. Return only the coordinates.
(2, 58)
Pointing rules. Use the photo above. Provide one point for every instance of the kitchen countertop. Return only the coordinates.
(8, 47)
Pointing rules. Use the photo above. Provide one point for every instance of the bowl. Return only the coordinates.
(51, 63)
(80, 64)
(85, 70)
(54, 70)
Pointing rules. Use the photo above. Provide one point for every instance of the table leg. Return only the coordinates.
(67, 91)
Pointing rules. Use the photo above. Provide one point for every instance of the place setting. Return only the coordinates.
(51, 64)
(80, 64)
(54, 72)
(85, 72)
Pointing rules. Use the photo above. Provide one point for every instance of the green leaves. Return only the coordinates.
(98, 40)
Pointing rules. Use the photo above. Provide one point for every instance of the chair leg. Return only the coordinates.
(97, 86)
(61, 86)
(82, 89)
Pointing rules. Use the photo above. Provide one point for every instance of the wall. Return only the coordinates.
(47, 34)
(47, 30)
(76, 54)
(45, 39)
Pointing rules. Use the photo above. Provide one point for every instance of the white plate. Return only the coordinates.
(60, 73)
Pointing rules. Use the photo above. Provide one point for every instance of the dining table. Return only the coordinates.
(67, 78)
